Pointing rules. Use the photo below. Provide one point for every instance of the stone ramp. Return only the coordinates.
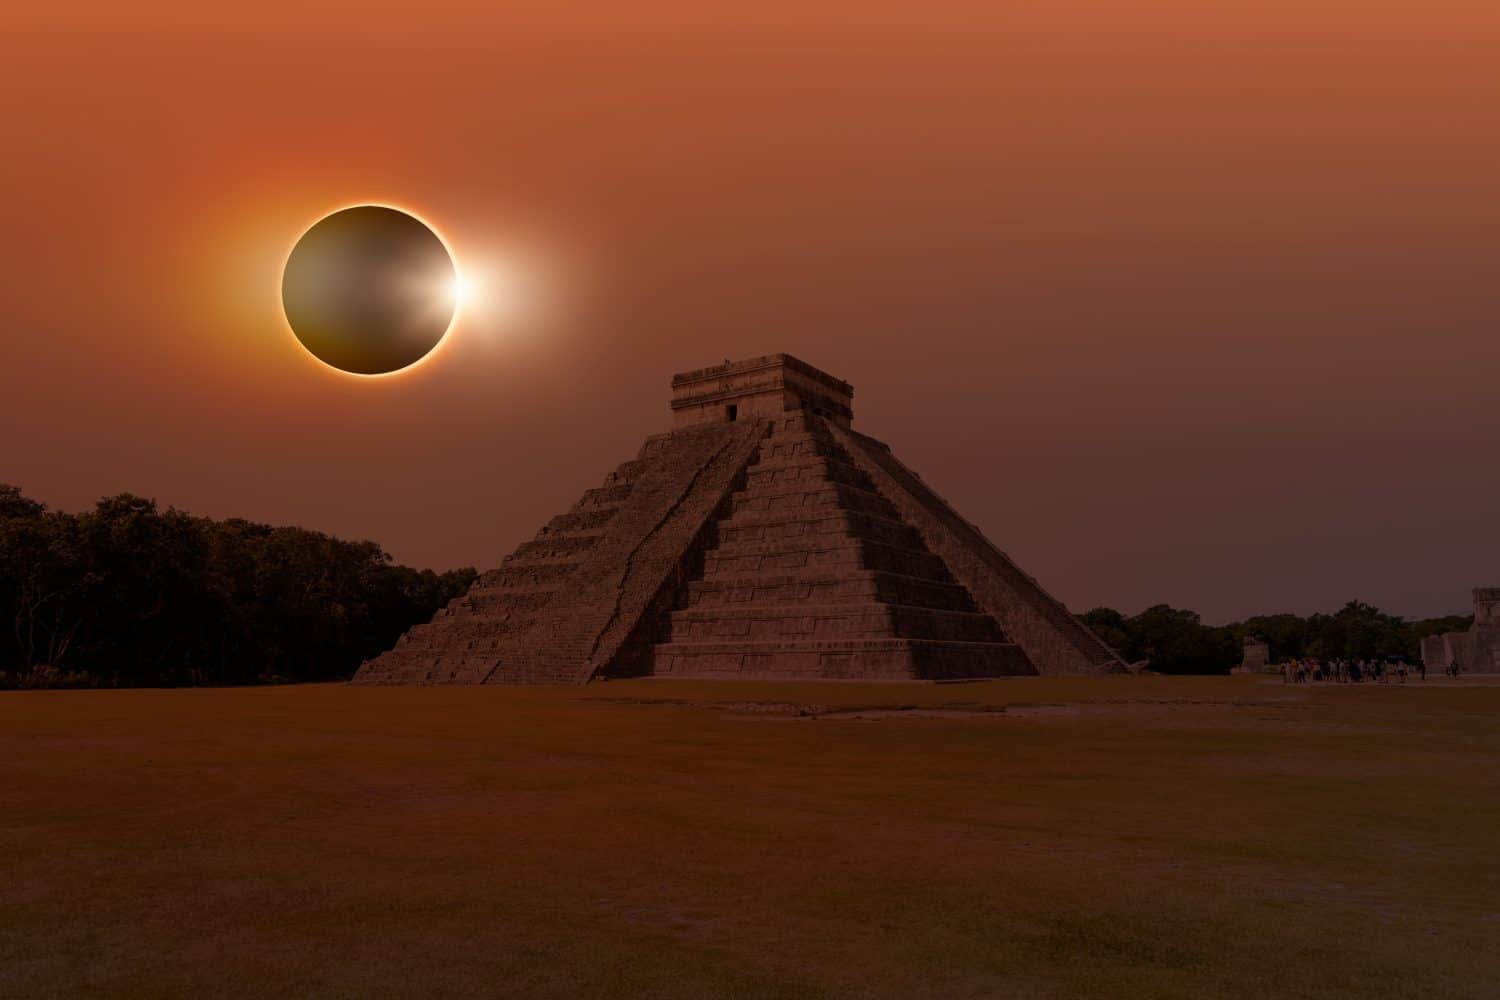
(1054, 640)
(572, 600)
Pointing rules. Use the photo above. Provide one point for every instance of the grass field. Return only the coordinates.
(1110, 837)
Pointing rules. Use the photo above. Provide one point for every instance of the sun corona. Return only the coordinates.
(370, 290)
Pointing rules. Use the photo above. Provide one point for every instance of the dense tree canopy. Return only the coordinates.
(129, 594)
(1173, 641)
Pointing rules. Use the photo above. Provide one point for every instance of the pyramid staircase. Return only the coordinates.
(815, 575)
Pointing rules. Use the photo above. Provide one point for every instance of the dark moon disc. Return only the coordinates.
(369, 290)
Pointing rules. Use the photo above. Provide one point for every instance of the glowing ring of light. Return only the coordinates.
(458, 289)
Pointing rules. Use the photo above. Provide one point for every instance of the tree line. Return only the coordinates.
(129, 594)
(1174, 641)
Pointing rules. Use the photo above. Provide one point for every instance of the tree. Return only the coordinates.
(41, 583)
(1170, 640)
(1286, 635)
(1174, 641)
(1109, 625)
(128, 593)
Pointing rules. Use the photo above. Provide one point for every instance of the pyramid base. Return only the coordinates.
(873, 660)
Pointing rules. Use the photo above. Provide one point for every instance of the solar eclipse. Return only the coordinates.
(370, 290)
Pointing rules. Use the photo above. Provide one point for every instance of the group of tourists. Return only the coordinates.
(1346, 671)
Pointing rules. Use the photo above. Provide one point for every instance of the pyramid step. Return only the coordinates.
(816, 472)
(446, 668)
(802, 432)
(498, 600)
(461, 627)
(603, 497)
(874, 659)
(548, 548)
(829, 552)
(811, 496)
(568, 562)
(484, 593)
(822, 587)
(768, 526)
(865, 619)
(501, 606)
(582, 521)
(628, 472)
(794, 445)
(527, 577)
(804, 469)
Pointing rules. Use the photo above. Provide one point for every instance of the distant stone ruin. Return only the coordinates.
(1256, 657)
(762, 537)
(1475, 651)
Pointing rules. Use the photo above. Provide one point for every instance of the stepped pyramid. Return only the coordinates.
(761, 538)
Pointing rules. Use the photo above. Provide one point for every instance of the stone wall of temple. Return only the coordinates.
(1434, 653)
(1255, 657)
(1484, 637)
(1476, 650)
(767, 388)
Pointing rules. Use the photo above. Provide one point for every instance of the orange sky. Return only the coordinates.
(1187, 302)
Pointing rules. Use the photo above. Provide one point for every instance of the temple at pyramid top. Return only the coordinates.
(765, 387)
(760, 537)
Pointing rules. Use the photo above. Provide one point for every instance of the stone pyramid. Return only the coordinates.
(761, 538)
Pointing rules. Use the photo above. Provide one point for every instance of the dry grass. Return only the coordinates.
(1116, 837)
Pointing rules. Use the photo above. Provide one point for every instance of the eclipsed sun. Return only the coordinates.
(370, 290)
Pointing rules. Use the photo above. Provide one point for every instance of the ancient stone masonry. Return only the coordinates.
(1434, 653)
(569, 600)
(761, 538)
(1053, 639)
(1484, 635)
(814, 574)
(1475, 651)
(1256, 657)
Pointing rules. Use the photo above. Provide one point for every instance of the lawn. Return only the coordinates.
(1110, 837)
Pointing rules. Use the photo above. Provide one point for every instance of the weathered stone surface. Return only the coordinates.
(814, 574)
(1458, 648)
(1433, 653)
(1484, 636)
(762, 538)
(1054, 640)
(758, 388)
(567, 602)
(1475, 651)
(1255, 658)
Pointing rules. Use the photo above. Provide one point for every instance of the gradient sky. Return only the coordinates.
(1186, 302)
